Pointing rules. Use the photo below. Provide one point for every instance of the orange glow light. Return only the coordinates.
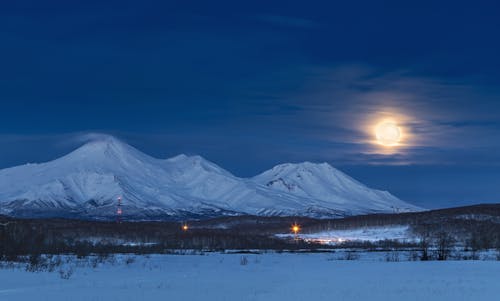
(185, 227)
(295, 228)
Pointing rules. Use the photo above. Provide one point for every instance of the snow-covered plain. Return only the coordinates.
(265, 277)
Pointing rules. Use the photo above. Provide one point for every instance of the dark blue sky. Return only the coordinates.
(252, 85)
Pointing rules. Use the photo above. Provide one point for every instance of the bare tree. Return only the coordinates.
(444, 243)
(424, 236)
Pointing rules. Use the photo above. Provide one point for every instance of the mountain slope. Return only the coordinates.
(325, 183)
(86, 183)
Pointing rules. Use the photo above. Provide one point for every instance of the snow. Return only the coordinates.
(265, 277)
(88, 181)
(399, 233)
(323, 182)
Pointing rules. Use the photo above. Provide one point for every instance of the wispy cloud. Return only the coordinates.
(343, 104)
(82, 138)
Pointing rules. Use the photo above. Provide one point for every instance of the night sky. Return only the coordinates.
(252, 85)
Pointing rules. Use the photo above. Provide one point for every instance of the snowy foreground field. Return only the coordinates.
(257, 277)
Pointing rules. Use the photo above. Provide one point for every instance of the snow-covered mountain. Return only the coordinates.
(87, 182)
(322, 182)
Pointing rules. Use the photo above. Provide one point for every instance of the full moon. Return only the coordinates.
(388, 133)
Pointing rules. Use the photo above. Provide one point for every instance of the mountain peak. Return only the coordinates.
(184, 157)
(104, 142)
(196, 161)
(302, 167)
(105, 150)
(303, 164)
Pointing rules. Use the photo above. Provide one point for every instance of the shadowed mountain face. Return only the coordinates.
(87, 182)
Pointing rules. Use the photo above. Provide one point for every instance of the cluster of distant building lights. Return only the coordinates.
(295, 228)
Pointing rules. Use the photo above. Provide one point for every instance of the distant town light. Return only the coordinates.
(295, 229)
(185, 227)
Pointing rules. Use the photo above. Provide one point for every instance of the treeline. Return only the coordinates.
(472, 228)
(34, 237)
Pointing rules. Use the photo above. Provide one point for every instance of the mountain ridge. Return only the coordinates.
(87, 181)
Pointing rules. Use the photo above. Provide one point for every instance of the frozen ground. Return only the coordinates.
(265, 277)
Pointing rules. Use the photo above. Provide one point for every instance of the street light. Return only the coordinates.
(296, 229)
(185, 227)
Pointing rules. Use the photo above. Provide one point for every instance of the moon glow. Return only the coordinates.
(388, 133)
